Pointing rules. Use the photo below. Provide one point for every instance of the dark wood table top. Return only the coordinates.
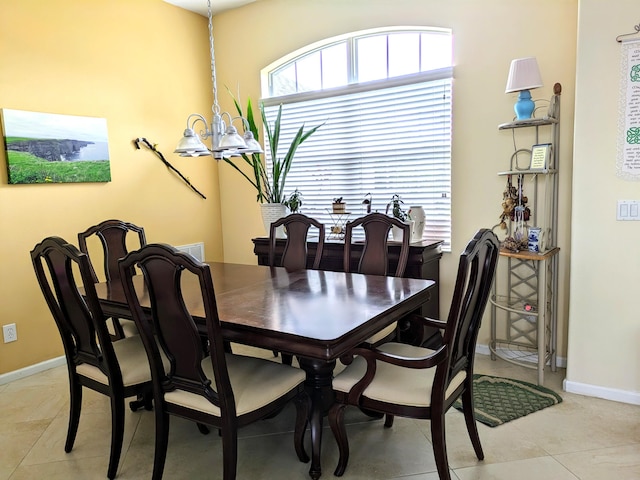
(312, 313)
(315, 314)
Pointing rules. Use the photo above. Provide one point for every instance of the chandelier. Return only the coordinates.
(224, 137)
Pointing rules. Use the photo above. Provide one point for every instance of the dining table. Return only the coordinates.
(316, 315)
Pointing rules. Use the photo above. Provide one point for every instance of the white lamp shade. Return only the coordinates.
(252, 144)
(231, 139)
(524, 74)
(190, 145)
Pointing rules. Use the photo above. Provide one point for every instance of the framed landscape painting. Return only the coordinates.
(52, 148)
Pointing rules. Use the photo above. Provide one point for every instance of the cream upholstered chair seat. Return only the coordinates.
(383, 334)
(395, 384)
(132, 359)
(256, 382)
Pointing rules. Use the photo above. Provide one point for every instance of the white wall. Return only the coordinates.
(604, 320)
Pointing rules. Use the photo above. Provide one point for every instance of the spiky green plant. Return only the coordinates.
(269, 183)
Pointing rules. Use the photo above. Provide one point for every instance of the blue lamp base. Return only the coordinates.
(524, 106)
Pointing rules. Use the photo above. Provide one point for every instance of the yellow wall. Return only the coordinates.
(142, 65)
(488, 34)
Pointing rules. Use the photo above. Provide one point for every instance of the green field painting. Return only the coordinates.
(53, 148)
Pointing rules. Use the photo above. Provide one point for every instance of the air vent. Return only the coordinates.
(196, 250)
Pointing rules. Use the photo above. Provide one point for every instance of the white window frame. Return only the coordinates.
(318, 189)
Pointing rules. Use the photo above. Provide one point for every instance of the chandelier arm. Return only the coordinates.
(206, 133)
(153, 148)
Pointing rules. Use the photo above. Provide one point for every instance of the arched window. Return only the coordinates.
(385, 99)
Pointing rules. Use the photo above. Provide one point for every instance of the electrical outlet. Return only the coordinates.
(10, 333)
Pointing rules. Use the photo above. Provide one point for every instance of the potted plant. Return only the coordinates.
(294, 201)
(395, 204)
(269, 183)
(396, 208)
(338, 205)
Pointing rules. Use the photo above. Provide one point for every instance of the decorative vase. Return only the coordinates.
(416, 214)
(396, 233)
(270, 213)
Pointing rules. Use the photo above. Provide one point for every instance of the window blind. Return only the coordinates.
(382, 141)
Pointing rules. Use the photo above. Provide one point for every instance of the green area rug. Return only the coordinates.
(499, 400)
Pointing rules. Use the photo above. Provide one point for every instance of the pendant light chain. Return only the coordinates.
(224, 137)
(215, 107)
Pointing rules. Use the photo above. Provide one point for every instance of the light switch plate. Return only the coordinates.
(628, 210)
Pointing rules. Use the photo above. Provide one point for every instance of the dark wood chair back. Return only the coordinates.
(476, 271)
(164, 268)
(374, 259)
(80, 321)
(294, 256)
(113, 236)
(92, 360)
(197, 384)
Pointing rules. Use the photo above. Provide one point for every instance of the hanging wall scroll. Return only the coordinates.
(628, 158)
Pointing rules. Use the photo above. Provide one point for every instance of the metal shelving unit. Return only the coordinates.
(524, 300)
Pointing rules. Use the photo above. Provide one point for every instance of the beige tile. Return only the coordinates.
(92, 440)
(190, 454)
(382, 453)
(531, 469)
(52, 377)
(583, 437)
(574, 426)
(16, 439)
(29, 403)
(503, 443)
(94, 468)
(425, 476)
(621, 463)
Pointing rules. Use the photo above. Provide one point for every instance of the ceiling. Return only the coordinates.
(200, 6)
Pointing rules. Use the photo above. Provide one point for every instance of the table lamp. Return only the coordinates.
(523, 76)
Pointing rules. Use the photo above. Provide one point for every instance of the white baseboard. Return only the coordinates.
(585, 389)
(606, 393)
(32, 369)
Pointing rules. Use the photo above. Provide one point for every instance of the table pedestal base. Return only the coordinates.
(318, 385)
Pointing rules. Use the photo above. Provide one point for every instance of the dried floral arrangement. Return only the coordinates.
(514, 209)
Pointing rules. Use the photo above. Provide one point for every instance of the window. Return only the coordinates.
(385, 101)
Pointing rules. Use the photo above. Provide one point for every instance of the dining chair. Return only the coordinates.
(213, 387)
(294, 256)
(117, 370)
(416, 382)
(113, 235)
(374, 259)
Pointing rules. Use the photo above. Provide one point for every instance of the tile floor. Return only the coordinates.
(581, 438)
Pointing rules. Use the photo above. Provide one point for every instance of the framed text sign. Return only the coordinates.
(628, 158)
(540, 155)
